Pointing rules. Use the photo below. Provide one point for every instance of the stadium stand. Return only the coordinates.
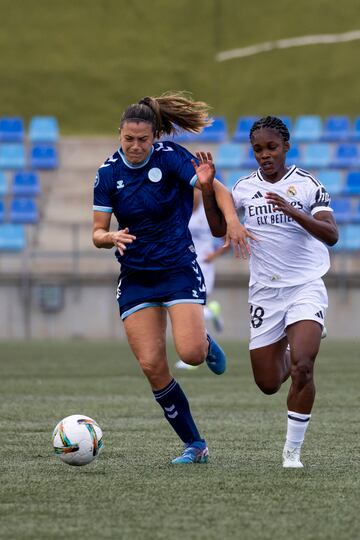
(347, 155)
(294, 155)
(12, 156)
(249, 160)
(351, 234)
(307, 128)
(342, 209)
(44, 156)
(332, 179)
(229, 155)
(355, 134)
(43, 129)
(3, 184)
(352, 183)
(216, 133)
(2, 211)
(317, 155)
(12, 237)
(26, 183)
(243, 126)
(337, 128)
(12, 129)
(23, 210)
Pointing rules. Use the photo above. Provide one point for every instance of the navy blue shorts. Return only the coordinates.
(139, 289)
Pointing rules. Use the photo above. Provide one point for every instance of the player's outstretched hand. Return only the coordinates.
(121, 238)
(205, 170)
(238, 237)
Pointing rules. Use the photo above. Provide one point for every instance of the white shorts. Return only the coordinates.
(273, 309)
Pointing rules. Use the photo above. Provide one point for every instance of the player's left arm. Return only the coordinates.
(321, 224)
(219, 206)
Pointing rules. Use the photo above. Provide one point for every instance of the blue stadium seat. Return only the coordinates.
(342, 209)
(12, 237)
(287, 121)
(307, 128)
(44, 157)
(23, 210)
(234, 176)
(352, 183)
(332, 179)
(347, 155)
(12, 156)
(26, 183)
(293, 155)
(249, 161)
(2, 211)
(317, 155)
(352, 236)
(337, 128)
(3, 184)
(229, 155)
(242, 129)
(355, 135)
(215, 133)
(340, 244)
(43, 129)
(11, 129)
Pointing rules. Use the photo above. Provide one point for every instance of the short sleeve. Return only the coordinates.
(102, 198)
(319, 198)
(179, 162)
(237, 195)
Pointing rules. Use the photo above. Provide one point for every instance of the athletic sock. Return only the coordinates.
(177, 412)
(297, 425)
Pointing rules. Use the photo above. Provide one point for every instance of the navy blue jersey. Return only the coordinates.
(154, 200)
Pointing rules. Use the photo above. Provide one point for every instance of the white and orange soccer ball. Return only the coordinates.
(77, 440)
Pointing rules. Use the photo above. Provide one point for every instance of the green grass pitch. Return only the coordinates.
(132, 492)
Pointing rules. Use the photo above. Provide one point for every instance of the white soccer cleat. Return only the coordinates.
(181, 365)
(291, 458)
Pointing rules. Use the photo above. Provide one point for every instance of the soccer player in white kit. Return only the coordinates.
(288, 212)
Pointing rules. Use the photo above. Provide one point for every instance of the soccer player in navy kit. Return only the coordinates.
(288, 210)
(148, 186)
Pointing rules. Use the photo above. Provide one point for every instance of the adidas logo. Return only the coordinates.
(319, 314)
(258, 195)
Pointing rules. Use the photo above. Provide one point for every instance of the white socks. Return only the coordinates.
(296, 427)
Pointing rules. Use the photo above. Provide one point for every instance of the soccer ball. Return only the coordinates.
(77, 439)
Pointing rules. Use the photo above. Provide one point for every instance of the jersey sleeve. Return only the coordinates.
(102, 198)
(237, 195)
(179, 163)
(319, 199)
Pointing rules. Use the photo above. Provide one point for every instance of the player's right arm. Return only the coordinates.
(103, 238)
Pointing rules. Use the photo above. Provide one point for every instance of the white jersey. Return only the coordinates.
(285, 253)
(201, 233)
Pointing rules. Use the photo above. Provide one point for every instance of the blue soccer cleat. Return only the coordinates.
(196, 452)
(216, 359)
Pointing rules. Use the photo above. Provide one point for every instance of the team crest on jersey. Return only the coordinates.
(120, 184)
(291, 191)
(155, 174)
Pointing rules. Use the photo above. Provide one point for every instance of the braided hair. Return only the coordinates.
(169, 113)
(271, 122)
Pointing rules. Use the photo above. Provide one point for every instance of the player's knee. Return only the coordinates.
(302, 371)
(154, 371)
(195, 353)
(268, 387)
